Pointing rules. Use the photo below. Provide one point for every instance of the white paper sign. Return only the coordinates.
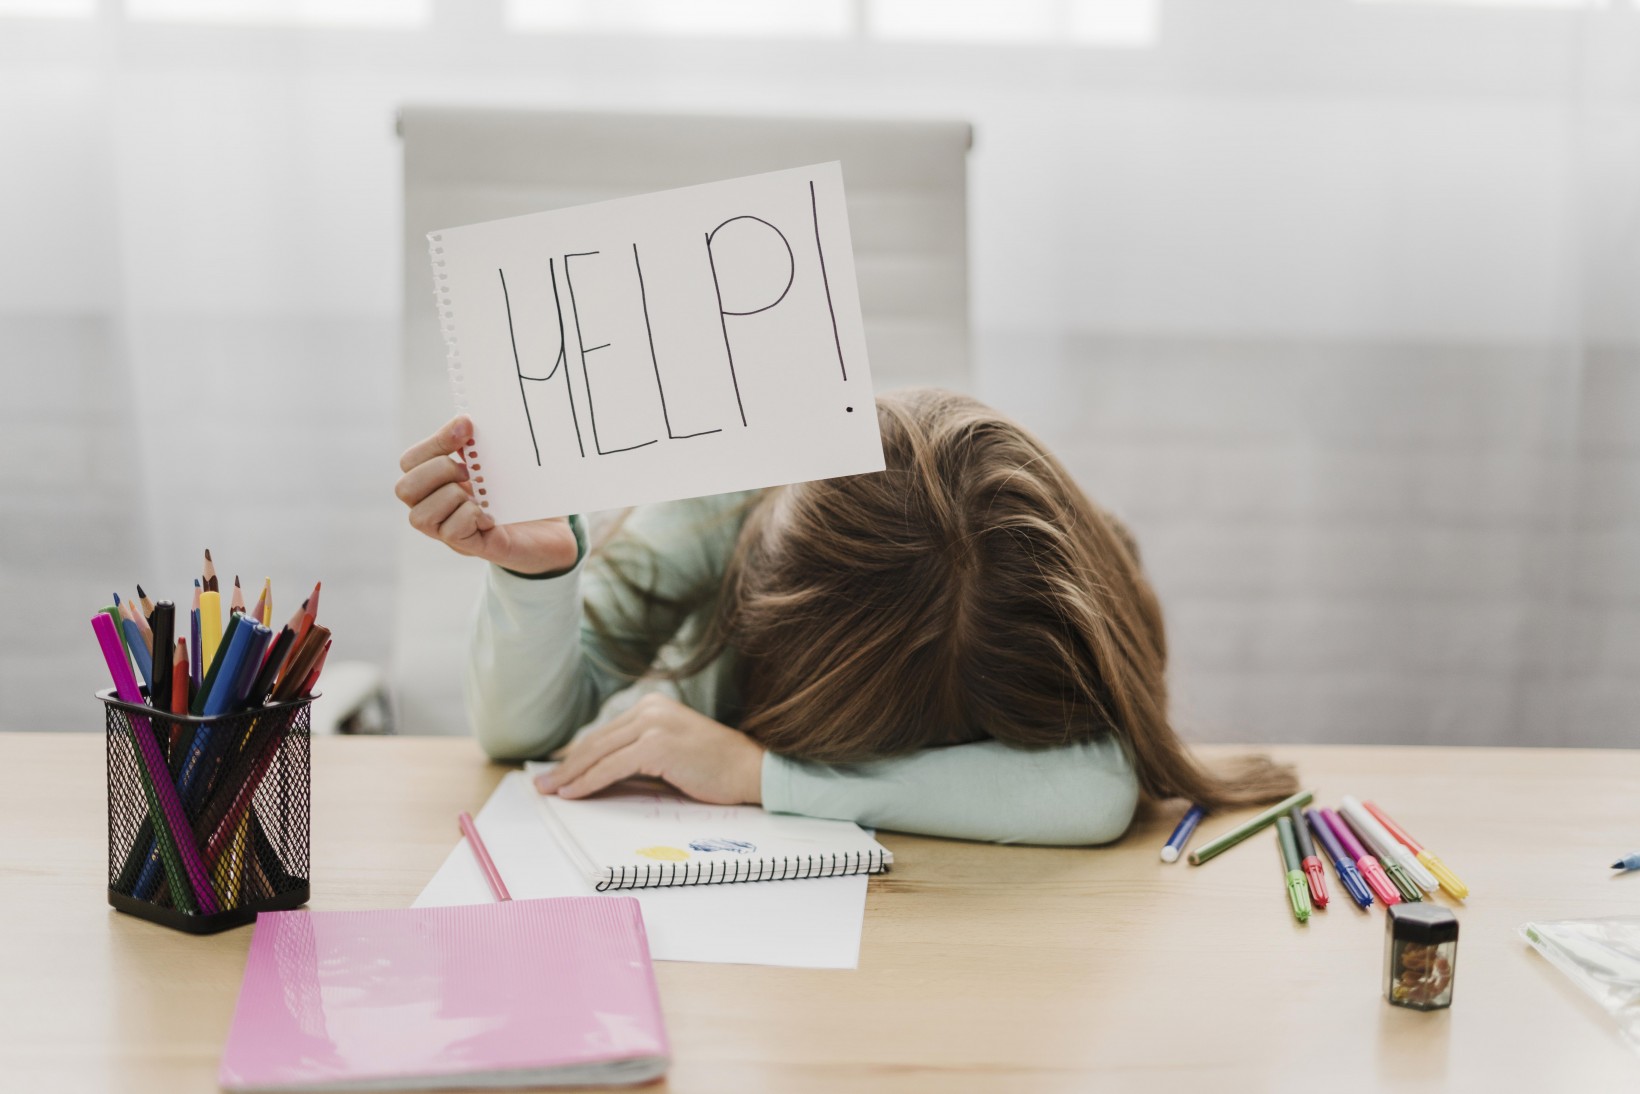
(691, 342)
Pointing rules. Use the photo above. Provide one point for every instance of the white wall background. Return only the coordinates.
(1334, 300)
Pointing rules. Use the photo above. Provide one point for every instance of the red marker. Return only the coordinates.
(1372, 873)
(1312, 863)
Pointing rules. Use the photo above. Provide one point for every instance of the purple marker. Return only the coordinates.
(1347, 873)
(1372, 873)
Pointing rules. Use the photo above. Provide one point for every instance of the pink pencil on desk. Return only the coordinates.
(482, 854)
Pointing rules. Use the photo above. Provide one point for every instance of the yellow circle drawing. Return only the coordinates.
(665, 854)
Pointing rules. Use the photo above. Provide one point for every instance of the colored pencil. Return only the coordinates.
(237, 602)
(210, 613)
(143, 626)
(303, 624)
(179, 689)
(112, 611)
(312, 680)
(196, 667)
(212, 674)
(147, 605)
(300, 663)
(476, 843)
(134, 645)
(263, 611)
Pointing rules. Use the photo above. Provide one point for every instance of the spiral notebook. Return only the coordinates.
(556, 992)
(640, 837)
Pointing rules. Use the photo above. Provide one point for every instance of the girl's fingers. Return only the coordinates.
(620, 764)
(586, 752)
(462, 525)
(450, 438)
(422, 479)
(435, 509)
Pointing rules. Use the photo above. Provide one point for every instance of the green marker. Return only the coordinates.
(1236, 835)
(1298, 886)
(1402, 880)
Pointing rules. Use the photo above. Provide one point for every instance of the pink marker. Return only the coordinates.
(1371, 872)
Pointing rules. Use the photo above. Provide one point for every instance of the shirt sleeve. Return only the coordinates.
(537, 670)
(1069, 796)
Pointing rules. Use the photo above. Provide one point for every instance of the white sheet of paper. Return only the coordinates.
(672, 345)
(814, 923)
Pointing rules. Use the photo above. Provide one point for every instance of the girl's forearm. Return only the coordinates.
(1076, 795)
(529, 685)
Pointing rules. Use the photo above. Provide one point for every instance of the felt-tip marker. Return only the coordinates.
(1378, 841)
(1442, 873)
(1396, 849)
(1215, 847)
(1181, 834)
(1311, 863)
(1298, 890)
(1348, 875)
(1371, 872)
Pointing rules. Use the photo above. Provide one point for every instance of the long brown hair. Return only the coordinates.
(969, 591)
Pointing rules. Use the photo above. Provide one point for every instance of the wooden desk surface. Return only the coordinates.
(982, 968)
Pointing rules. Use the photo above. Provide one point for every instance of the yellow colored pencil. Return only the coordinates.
(210, 613)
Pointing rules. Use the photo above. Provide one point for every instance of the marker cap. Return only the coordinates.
(1318, 881)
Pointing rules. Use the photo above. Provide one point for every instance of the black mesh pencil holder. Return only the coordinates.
(208, 818)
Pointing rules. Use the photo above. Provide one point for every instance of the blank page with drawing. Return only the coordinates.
(636, 836)
(691, 342)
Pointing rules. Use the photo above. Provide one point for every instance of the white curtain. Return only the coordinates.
(1334, 301)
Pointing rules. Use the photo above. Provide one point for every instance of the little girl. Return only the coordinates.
(961, 645)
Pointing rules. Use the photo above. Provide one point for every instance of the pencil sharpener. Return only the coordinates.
(1420, 955)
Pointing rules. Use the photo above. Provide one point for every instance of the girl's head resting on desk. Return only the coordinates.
(969, 591)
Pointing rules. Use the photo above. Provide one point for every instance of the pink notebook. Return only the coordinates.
(555, 992)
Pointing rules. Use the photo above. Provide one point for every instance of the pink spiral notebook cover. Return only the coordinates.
(519, 992)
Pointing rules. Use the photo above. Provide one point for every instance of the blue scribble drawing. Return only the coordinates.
(737, 846)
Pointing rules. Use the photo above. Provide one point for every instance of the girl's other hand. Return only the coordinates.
(661, 738)
(437, 488)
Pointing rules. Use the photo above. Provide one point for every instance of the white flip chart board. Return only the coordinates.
(690, 342)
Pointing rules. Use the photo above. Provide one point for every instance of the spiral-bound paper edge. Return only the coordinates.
(661, 875)
(445, 311)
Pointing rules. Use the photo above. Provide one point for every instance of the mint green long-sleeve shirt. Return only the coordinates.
(538, 672)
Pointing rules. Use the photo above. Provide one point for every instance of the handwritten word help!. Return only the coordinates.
(753, 269)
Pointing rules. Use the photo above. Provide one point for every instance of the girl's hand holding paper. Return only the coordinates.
(663, 739)
(439, 492)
